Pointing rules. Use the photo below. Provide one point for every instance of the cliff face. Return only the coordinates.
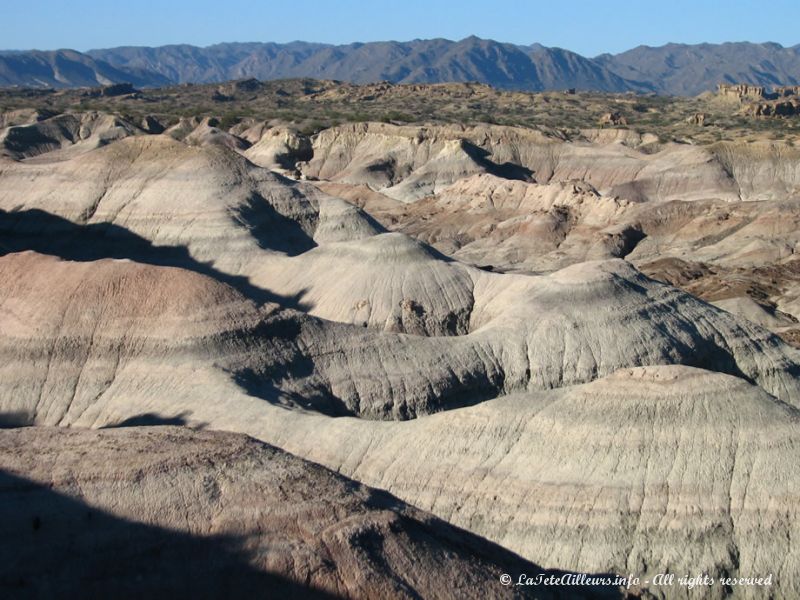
(782, 101)
(741, 91)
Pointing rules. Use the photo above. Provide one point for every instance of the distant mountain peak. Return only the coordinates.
(673, 68)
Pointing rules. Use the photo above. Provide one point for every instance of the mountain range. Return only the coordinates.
(677, 69)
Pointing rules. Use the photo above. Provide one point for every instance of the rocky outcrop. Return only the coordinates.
(408, 162)
(280, 148)
(82, 341)
(612, 118)
(515, 225)
(777, 108)
(741, 91)
(153, 190)
(111, 91)
(781, 102)
(699, 119)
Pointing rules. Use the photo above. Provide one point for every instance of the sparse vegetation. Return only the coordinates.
(315, 105)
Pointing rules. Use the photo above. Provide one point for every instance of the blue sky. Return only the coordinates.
(587, 27)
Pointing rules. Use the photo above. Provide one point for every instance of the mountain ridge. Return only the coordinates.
(673, 69)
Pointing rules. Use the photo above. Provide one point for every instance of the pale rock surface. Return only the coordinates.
(650, 470)
(387, 281)
(22, 116)
(62, 136)
(208, 132)
(278, 148)
(488, 220)
(183, 127)
(752, 311)
(456, 159)
(340, 221)
(88, 343)
(209, 200)
(515, 226)
(407, 163)
(84, 340)
(383, 156)
(522, 332)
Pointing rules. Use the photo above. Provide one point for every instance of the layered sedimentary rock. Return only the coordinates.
(396, 158)
(388, 281)
(89, 343)
(260, 233)
(208, 133)
(517, 225)
(165, 511)
(276, 147)
(83, 341)
(64, 135)
(232, 212)
(207, 200)
(649, 470)
(169, 279)
(520, 226)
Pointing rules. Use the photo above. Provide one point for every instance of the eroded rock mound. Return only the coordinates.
(95, 342)
(164, 511)
(516, 225)
(399, 159)
(206, 200)
(83, 341)
(69, 133)
(649, 470)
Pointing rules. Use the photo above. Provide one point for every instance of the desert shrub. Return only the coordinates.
(395, 115)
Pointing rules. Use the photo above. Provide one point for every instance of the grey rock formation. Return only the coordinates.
(647, 471)
(91, 343)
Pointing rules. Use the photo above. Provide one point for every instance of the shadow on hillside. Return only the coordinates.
(54, 546)
(151, 419)
(50, 234)
(272, 230)
(263, 385)
(506, 170)
(262, 379)
(14, 419)
(57, 546)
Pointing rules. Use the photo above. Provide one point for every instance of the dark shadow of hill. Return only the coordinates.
(506, 170)
(270, 229)
(56, 546)
(50, 234)
(53, 546)
(151, 419)
(13, 419)
(278, 337)
(263, 385)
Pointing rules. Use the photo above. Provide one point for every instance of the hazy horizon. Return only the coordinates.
(584, 27)
(398, 41)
